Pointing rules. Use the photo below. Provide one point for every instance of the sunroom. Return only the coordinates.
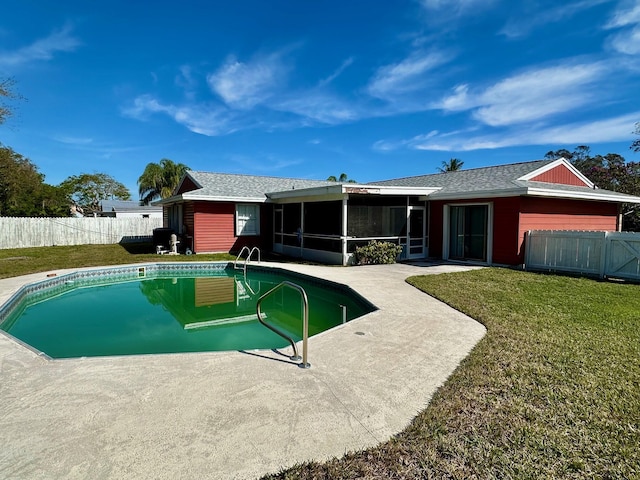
(327, 224)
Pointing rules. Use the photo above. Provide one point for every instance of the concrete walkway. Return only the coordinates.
(232, 414)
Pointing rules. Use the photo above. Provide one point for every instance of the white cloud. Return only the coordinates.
(627, 42)
(70, 140)
(42, 49)
(336, 74)
(626, 13)
(318, 107)
(459, 100)
(245, 85)
(207, 120)
(626, 19)
(451, 8)
(578, 133)
(525, 22)
(527, 96)
(409, 75)
(186, 80)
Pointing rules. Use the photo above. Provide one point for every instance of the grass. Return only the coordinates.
(552, 391)
(15, 262)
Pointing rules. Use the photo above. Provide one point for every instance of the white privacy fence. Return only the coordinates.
(605, 254)
(45, 231)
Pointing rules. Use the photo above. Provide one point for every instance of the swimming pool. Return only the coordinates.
(170, 308)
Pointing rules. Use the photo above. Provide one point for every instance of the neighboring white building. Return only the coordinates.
(128, 209)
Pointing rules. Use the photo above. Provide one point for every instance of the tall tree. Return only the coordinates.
(159, 180)
(635, 146)
(610, 172)
(343, 178)
(453, 165)
(23, 192)
(88, 189)
(7, 92)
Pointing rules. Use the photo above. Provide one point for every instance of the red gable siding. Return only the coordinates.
(560, 174)
(187, 186)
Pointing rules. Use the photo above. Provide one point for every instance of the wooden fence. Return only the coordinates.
(44, 231)
(602, 254)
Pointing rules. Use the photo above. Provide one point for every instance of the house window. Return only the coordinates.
(247, 219)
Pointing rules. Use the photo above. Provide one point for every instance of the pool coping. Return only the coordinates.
(233, 414)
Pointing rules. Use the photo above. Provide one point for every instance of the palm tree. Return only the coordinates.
(159, 180)
(343, 178)
(453, 165)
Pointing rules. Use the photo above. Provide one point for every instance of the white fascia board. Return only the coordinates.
(554, 164)
(167, 201)
(208, 198)
(390, 190)
(340, 190)
(513, 192)
(215, 198)
(593, 194)
(327, 190)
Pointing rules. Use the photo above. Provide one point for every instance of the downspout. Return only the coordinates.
(619, 222)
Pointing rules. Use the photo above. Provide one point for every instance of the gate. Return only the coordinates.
(602, 254)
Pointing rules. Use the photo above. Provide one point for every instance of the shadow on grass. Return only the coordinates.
(138, 248)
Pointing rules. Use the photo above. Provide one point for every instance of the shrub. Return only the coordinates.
(375, 253)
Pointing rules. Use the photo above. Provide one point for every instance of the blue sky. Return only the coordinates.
(375, 89)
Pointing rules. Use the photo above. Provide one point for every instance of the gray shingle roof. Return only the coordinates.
(494, 178)
(126, 206)
(228, 185)
(498, 179)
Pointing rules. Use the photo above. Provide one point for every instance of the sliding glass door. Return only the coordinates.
(468, 232)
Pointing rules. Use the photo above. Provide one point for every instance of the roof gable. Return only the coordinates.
(559, 172)
(187, 185)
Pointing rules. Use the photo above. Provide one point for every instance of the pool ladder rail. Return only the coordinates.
(305, 322)
(243, 266)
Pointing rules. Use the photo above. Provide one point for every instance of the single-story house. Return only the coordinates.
(478, 215)
(128, 209)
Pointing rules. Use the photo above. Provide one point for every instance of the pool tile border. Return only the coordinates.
(99, 276)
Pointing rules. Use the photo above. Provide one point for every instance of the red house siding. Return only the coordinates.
(505, 230)
(550, 214)
(214, 228)
(560, 174)
(436, 219)
(513, 216)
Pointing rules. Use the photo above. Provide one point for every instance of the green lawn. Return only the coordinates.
(21, 261)
(552, 391)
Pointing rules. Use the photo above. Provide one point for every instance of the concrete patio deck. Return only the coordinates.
(232, 414)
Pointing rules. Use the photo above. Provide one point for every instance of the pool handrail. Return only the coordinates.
(305, 322)
(247, 260)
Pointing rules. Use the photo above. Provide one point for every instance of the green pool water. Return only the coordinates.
(176, 314)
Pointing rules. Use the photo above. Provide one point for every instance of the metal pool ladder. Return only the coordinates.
(305, 322)
(247, 260)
